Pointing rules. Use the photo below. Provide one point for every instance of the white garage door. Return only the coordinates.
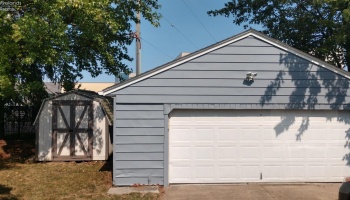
(227, 146)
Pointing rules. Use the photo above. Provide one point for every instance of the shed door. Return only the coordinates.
(227, 146)
(72, 125)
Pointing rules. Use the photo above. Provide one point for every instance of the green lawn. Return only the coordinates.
(22, 178)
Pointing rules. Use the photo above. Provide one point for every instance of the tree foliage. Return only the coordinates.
(60, 39)
(318, 27)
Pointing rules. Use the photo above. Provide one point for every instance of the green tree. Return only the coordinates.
(60, 39)
(318, 27)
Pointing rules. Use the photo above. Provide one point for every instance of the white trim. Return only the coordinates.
(217, 47)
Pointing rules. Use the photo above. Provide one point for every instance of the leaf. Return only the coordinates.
(62, 39)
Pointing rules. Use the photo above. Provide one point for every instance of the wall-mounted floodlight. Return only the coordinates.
(251, 75)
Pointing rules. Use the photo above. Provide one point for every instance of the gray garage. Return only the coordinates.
(246, 109)
(75, 125)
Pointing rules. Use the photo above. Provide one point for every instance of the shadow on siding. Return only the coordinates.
(306, 94)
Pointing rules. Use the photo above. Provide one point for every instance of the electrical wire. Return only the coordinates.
(156, 48)
(183, 35)
(205, 28)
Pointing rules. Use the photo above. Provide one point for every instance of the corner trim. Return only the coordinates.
(166, 148)
(114, 182)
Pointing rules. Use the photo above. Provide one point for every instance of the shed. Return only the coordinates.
(76, 125)
(246, 109)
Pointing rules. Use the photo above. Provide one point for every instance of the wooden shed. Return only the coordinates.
(76, 125)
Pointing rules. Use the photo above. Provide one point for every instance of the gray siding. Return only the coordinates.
(335, 100)
(273, 66)
(139, 144)
(219, 77)
(216, 79)
(220, 82)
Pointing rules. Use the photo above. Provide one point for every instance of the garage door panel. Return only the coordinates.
(180, 153)
(204, 153)
(316, 152)
(270, 136)
(336, 153)
(227, 172)
(226, 122)
(296, 152)
(295, 172)
(249, 152)
(289, 137)
(181, 173)
(317, 172)
(228, 134)
(204, 172)
(204, 135)
(249, 135)
(250, 173)
(251, 146)
(202, 122)
(180, 135)
(337, 135)
(227, 153)
(273, 172)
(316, 135)
(337, 171)
(246, 123)
(272, 152)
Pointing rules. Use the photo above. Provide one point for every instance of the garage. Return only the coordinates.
(246, 109)
(226, 146)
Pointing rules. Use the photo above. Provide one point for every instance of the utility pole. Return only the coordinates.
(138, 44)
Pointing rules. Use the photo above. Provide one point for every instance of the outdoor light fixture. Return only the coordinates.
(251, 75)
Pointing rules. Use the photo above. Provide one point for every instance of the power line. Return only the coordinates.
(199, 20)
(183, 35)
(156, 48)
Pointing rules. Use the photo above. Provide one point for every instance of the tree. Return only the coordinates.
(318, 27)
(60, 39)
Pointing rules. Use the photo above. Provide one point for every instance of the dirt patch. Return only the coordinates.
(17, 150)
(3, 154)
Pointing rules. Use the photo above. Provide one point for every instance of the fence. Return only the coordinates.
(18, 120)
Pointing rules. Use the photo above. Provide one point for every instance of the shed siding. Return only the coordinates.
(284, 80)
(102, 145)
(101, 141)
(45, 133)
(139, 144)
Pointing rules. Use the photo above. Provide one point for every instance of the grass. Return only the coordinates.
(22, 178)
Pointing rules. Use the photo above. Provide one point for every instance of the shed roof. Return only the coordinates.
(250, 32)
(104, 101)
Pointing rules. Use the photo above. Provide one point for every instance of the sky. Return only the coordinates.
(184, 27)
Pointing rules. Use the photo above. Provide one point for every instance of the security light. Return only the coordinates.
(251, 75)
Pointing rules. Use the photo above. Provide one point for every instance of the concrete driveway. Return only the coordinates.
(319, 191)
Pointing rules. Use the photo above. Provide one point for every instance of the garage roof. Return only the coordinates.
(251, 32)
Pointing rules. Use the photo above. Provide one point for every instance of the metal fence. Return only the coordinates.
(18, 120)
